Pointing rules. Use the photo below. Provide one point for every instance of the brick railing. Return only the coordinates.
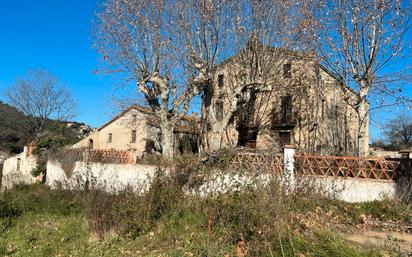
(109, 156)
(346, 166)
(258, 162)
(95, 155)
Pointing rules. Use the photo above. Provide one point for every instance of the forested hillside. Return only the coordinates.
(15, 132)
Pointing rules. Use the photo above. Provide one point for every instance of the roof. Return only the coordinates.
(152, 122)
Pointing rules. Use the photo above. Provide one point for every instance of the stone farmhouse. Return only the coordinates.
(300, 103)
(136, 129)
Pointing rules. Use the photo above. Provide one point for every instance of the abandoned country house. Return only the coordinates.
(300, 118)
(303, 104)
(136, 129)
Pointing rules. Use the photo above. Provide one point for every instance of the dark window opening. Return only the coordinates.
(188, 144)
(220, 80)
(219, 109)
(133, 136)
(91, 144)
(110, 138)
(284, 138)
(287, 70)
(323, 108)
(134, 117)
(286, 108)
(247, 137)
(18, 164)
(150, 146)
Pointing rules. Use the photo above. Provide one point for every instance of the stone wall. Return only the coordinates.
(17, 170)
(345, 189)
(114, 177)
(320, 120)
(117, 134)
(355, 190)
(109, 177)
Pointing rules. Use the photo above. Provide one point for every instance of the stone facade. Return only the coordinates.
(301, 103)
(136, 129)
(17, 169)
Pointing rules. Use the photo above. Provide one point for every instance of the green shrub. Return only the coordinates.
(40, 167)
(7, 210)
(39, 198)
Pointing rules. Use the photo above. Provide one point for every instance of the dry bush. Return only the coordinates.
(128, 213)
(404, 181)
(67, 159)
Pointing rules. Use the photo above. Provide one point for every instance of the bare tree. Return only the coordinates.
(357, 40)
(398, 131)
(141, 40)
(217, 30)
(41, 97)
(171, 49)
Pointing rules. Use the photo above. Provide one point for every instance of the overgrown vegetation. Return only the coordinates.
(164, 221)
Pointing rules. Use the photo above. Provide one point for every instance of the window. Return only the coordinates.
(286, 108)
(18, 164)
(133, 136)
(91, 144)
(220, 80)
(284, 138)
(323, 108)
(134, 118)
(287, 70)
(109, 138)
(219, 109)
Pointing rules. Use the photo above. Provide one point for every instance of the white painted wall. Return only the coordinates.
(355, 190)
(113, 177)
(345, 189)
(13, 176)
(109, 177)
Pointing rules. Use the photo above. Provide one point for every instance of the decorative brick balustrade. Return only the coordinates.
(346, 166)
(258, 162)
(110, 156)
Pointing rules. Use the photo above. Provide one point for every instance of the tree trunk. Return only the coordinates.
(363, 127)
(216, 137)
(167, 140)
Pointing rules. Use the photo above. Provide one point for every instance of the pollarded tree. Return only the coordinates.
(218, 29)
(357, 40)
(139, 39)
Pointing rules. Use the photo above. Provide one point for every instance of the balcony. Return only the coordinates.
(284, 121)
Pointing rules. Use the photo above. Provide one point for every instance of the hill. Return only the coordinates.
(14, 133)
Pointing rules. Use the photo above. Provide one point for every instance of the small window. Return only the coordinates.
(133, 136)
(109, 138)
(287, 70)
(220, 80)
(91, 144)
(286, 107)
(134, 117)
(323, 108)
(284, 137)
(18, 164)
(219, 109)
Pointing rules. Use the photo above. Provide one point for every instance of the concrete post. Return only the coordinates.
(289, 162)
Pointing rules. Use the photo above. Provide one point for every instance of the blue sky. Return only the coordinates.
(56, 35)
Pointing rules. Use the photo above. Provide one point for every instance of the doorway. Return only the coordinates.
(284, 138)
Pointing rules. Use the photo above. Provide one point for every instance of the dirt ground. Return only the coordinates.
(390, 240)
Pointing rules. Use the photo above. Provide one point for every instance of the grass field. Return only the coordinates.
(36, 221)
